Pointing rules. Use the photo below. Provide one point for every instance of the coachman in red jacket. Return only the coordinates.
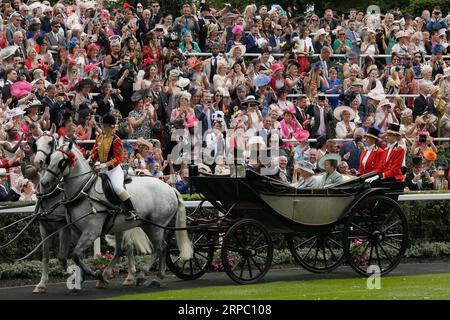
(394, 155)
(372, 157)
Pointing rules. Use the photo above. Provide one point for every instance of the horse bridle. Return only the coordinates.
(48, 154)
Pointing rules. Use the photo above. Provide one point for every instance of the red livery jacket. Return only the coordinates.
(108, 150)
(374, 163)
(393, 165)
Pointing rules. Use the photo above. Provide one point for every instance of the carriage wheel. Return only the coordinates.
(203, 247)
(247, 251)
(318, 253)
(376, 233)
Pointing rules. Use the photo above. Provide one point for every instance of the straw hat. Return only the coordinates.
(319, 33)
(403, 34)
(435, 89)
(338, 112)
(240, 46)
(8, 52)
(407, 113)
(375, 95)
(142, 142)
(385, 102)
(250, 99)
(446, 72)
(183, 82)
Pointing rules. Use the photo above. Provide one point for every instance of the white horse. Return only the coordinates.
(91, 213)
(56, 219)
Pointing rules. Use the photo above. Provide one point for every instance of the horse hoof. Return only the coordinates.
(39, 289)
(101, 284)
(129, 282)
(154, 284)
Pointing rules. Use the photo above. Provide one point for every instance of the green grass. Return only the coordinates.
(423, 287)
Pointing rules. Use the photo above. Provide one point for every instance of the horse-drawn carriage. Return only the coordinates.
(350, 222)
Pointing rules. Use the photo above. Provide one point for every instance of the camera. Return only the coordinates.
(422, 138)
(358, 139)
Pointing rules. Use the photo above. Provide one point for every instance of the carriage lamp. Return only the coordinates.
(237, 171)
(193, 170)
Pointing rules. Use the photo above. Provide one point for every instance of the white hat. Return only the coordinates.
(17, 111)
(446, 72)
(442, 32)
(3, 172)
(241, 46)
(376, 95)
(385, 102)
(256, 140)
(319, 33)
(183, 82)
(338, 111)
(8, 52)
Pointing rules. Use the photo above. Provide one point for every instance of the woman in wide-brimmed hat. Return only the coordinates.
(438, 99)
(289, 126)
(371, 82)
(32, 116)
(237, 37)
(236, 54)
(320, 40)
(198, 77)
(345, 127)
(445, 83)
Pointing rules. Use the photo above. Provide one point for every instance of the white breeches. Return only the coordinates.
(116, 176)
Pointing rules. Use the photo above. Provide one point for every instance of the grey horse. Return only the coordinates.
(54, 218)
(155, 201)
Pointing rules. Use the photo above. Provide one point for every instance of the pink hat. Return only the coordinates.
(301, 135)
(191, 122)
(290, 110)
(277, 66)
(21, 88)
(238, 29)
(92, 46)
(90, 67)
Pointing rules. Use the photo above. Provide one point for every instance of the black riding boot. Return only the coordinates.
(131, 213)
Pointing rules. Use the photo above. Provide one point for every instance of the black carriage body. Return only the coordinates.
(285, 209)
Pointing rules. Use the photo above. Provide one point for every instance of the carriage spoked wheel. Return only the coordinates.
(203, 254)
(375, 234)
(247, 251)
(318, 252)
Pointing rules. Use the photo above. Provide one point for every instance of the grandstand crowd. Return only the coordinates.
(302, 85)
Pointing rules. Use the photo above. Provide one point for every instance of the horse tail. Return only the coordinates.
(183, 242)
(136, 236)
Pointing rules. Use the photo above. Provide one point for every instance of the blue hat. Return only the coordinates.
(438, 49)
(72, 43)
(261, 81)
(185, 31)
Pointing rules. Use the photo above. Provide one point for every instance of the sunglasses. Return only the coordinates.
(342, 34)
(314, 19)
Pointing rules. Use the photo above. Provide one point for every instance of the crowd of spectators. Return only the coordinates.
(273, 73)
